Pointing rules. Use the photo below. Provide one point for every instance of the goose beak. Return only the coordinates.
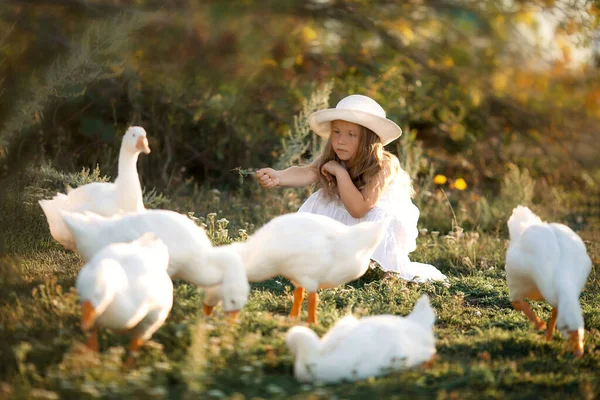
(576, 343)
(142, 144)
(207, 310)
(231, 316)
(88, 316)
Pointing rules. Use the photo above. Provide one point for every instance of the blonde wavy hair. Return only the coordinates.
(367, 165)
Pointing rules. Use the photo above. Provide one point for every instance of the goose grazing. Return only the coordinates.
(359, 349)
(191, 254)
(547, 261)
(313, 251)
(125, 287)
(103, 198)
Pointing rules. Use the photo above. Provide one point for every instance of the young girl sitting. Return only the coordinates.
(360, 181)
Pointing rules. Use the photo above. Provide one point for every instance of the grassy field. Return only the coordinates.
(485, 348)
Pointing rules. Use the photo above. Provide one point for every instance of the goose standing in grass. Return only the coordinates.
(192, 256)
(313, 251)
(103, 198)
(356, 349)
(125, 287)
(547, 261)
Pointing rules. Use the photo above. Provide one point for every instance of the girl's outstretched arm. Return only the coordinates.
(357, 202)
(296, 176)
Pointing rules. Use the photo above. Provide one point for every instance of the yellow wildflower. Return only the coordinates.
(440, 179)
(308, 34)
(447, 62)
(460, 184)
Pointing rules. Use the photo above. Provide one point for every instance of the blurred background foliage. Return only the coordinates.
(479, 87)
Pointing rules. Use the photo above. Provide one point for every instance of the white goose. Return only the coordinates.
(358, 349)
(313, 251)
(125, 287)
(103, 198)
(191, 254)
(547, 262)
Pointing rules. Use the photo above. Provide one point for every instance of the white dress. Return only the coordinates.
(401, 236)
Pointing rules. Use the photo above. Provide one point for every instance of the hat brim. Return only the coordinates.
(386, 129)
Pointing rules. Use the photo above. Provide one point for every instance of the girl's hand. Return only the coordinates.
(267, 177)
(331, 169)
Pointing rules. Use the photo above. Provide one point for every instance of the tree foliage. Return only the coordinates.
(217, 84)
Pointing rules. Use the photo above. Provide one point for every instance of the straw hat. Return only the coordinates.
(361, 110)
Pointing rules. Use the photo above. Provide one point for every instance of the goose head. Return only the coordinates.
(304, 345)
(235, 288)
(422, 313)
(300, 339)
(135, 140)
(97, 284)
(93, 304)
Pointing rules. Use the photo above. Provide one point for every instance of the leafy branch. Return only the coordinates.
(95, 56)
(301, 139)
(243, 173)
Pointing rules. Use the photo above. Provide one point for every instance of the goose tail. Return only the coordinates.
(521, 219)
(366, 236)
(58, 229)
(423, 313)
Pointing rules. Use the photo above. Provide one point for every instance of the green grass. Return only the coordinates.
(486, 349)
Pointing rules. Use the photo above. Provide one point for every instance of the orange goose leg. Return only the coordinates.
(298, 300)
(526, 308)
(313, 299)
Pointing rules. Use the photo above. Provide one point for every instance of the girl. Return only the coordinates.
(360, 181)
